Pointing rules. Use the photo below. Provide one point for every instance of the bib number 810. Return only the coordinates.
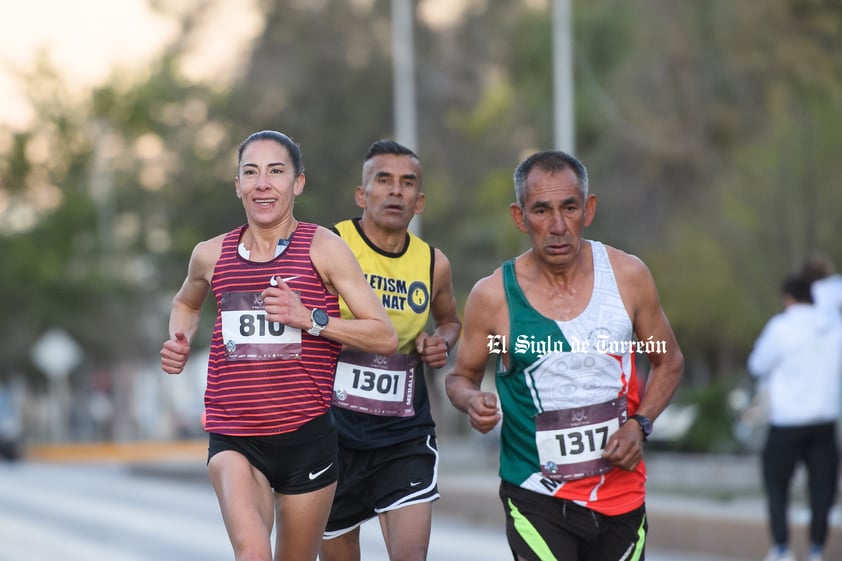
(256, 324)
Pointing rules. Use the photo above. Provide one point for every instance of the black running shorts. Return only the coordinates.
(297, 462)
(543, 528)
(382, 479)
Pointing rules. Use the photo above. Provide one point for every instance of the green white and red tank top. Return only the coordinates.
(265, 378)
(569, 385)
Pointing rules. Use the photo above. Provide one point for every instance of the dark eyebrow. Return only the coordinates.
(565, 202)
(271, 164)
(380, 174)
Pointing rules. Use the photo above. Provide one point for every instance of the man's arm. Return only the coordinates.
(482, 320)
(434, 348)
(666, 359)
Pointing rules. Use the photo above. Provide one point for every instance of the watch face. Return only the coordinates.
(320, 317)
(645, 424)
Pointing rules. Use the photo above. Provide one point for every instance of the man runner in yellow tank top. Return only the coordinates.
(388, 454)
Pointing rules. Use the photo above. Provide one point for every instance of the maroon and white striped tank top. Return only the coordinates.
(265, 378)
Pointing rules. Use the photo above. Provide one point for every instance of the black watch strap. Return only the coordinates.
(645, 425)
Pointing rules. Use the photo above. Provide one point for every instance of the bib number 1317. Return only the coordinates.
(576, 442)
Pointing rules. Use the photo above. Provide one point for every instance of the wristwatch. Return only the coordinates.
(645, 425)
(319, 318)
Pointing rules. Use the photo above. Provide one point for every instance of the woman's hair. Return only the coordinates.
(282, 139)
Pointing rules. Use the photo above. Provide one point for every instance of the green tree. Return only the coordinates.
(710, 131)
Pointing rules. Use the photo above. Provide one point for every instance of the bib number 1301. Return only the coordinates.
(383, 383)
(375, 384)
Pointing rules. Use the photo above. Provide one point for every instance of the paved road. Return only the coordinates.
(78, 512)
(700, 508)
(96, 512)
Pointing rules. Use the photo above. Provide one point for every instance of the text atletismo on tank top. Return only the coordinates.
(569, 386)
(265, 378)
(382, 400)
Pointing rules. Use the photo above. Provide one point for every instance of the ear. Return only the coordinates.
(419, 204)
(590, 209)
(298, 185)
(359, 196)
(517, 216)
(237, 187)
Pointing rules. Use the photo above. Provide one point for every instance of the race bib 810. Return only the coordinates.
(249, 335)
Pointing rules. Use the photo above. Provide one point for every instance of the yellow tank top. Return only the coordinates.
(401, 280)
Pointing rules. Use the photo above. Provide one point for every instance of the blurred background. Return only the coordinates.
(711, 130)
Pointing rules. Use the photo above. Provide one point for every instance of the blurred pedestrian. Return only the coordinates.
(826, 287)
(387, 441)
(276, 280)
(798, 359)
(561, 320)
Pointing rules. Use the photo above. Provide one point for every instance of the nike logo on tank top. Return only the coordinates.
(265, 378)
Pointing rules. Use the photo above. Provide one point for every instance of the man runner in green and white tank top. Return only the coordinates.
(565, 321)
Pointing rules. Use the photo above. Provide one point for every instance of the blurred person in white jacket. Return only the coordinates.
(827, 284)
(798, 358)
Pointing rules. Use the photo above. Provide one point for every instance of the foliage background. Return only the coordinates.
(711, 131)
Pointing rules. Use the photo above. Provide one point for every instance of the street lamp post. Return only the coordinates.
(403, 80)
(563, 76)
